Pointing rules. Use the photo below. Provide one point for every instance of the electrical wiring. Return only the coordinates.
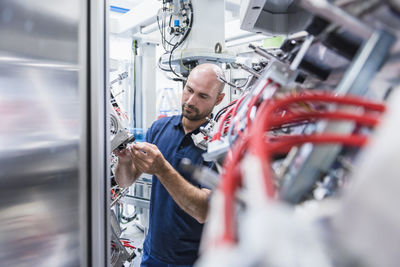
(231, 180)
(236, 119)
(257, 143)
(224, 109)
(232, 109)
(125, 219)
(275, 121)
(233, 127)
(283, 144)
(267, 108)
(169, 61)
(217, 135)
(183, 35)
(183, 65)
(237, 105)
(263, 148)
(254, 100)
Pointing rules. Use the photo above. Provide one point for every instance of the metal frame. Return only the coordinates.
(98, 137)
(84, 139)
(355, 81)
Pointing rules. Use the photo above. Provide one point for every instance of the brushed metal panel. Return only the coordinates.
(40, 134)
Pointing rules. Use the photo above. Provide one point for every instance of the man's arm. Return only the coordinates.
(190, 198)
(125, 171)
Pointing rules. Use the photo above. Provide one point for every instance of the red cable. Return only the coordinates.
(217, 135)
(276, 121)
(256, 139)
(254, 100)
(231, 179)
(282, 144)
(264, 114)
(237, 105)
(233, 110)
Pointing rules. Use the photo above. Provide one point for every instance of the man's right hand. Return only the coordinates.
(124, 155)
(125, 170)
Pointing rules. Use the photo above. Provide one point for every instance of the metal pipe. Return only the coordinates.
(119, 196)
(335, 14)
(249, 70)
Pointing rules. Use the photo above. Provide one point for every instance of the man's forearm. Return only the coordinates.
(125, 174)
(190, 198)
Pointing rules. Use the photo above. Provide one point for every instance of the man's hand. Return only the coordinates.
(125, 171)
(124, 155)
(148, 158)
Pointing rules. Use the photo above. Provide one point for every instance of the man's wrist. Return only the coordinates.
(165, 167)
(124, 161)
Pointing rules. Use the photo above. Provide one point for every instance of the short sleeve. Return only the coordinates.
(150, 134)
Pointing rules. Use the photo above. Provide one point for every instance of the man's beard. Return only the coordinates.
(194, 114)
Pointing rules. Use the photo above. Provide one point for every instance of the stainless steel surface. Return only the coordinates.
(46, 163)
(41, 134)
(99, 136)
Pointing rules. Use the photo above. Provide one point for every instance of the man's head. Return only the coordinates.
(202, 91)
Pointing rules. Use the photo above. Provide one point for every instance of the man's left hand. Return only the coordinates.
(148, 158)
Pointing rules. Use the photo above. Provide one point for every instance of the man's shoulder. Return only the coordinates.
(165, 120)
(161, 126)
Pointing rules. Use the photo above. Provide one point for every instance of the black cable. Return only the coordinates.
(166, 42)
(134, 47)
(223, 110)
(159, 60)
(182, 40)
(159, 64)
(169, 61)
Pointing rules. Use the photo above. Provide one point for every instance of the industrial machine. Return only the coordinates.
(305, 150)
(192, 33)
(294, 137)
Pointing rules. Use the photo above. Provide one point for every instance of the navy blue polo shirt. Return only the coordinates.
(173, 235)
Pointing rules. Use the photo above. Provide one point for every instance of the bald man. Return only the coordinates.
(178, 205)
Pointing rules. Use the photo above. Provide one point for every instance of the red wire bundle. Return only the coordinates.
(231, 112)
(269, 115)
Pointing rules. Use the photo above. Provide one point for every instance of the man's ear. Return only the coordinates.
(220, 97)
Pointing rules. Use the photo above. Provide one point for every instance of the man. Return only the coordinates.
(178, 205)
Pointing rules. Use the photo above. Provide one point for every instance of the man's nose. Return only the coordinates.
(191, 100)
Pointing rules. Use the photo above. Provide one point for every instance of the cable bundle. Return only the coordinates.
(175, 39)
(259, 142)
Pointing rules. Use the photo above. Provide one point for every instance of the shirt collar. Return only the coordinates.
(177, 121)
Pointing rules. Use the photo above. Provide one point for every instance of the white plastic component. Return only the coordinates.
(273, 17)
(208, 25)
(208, 29)
(269, 234)
(119, 135)
(216, 150)
(369, 222)
(200, 141)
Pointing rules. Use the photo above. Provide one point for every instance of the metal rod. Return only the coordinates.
(249, 70)
(337, 15)
(119, 196)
